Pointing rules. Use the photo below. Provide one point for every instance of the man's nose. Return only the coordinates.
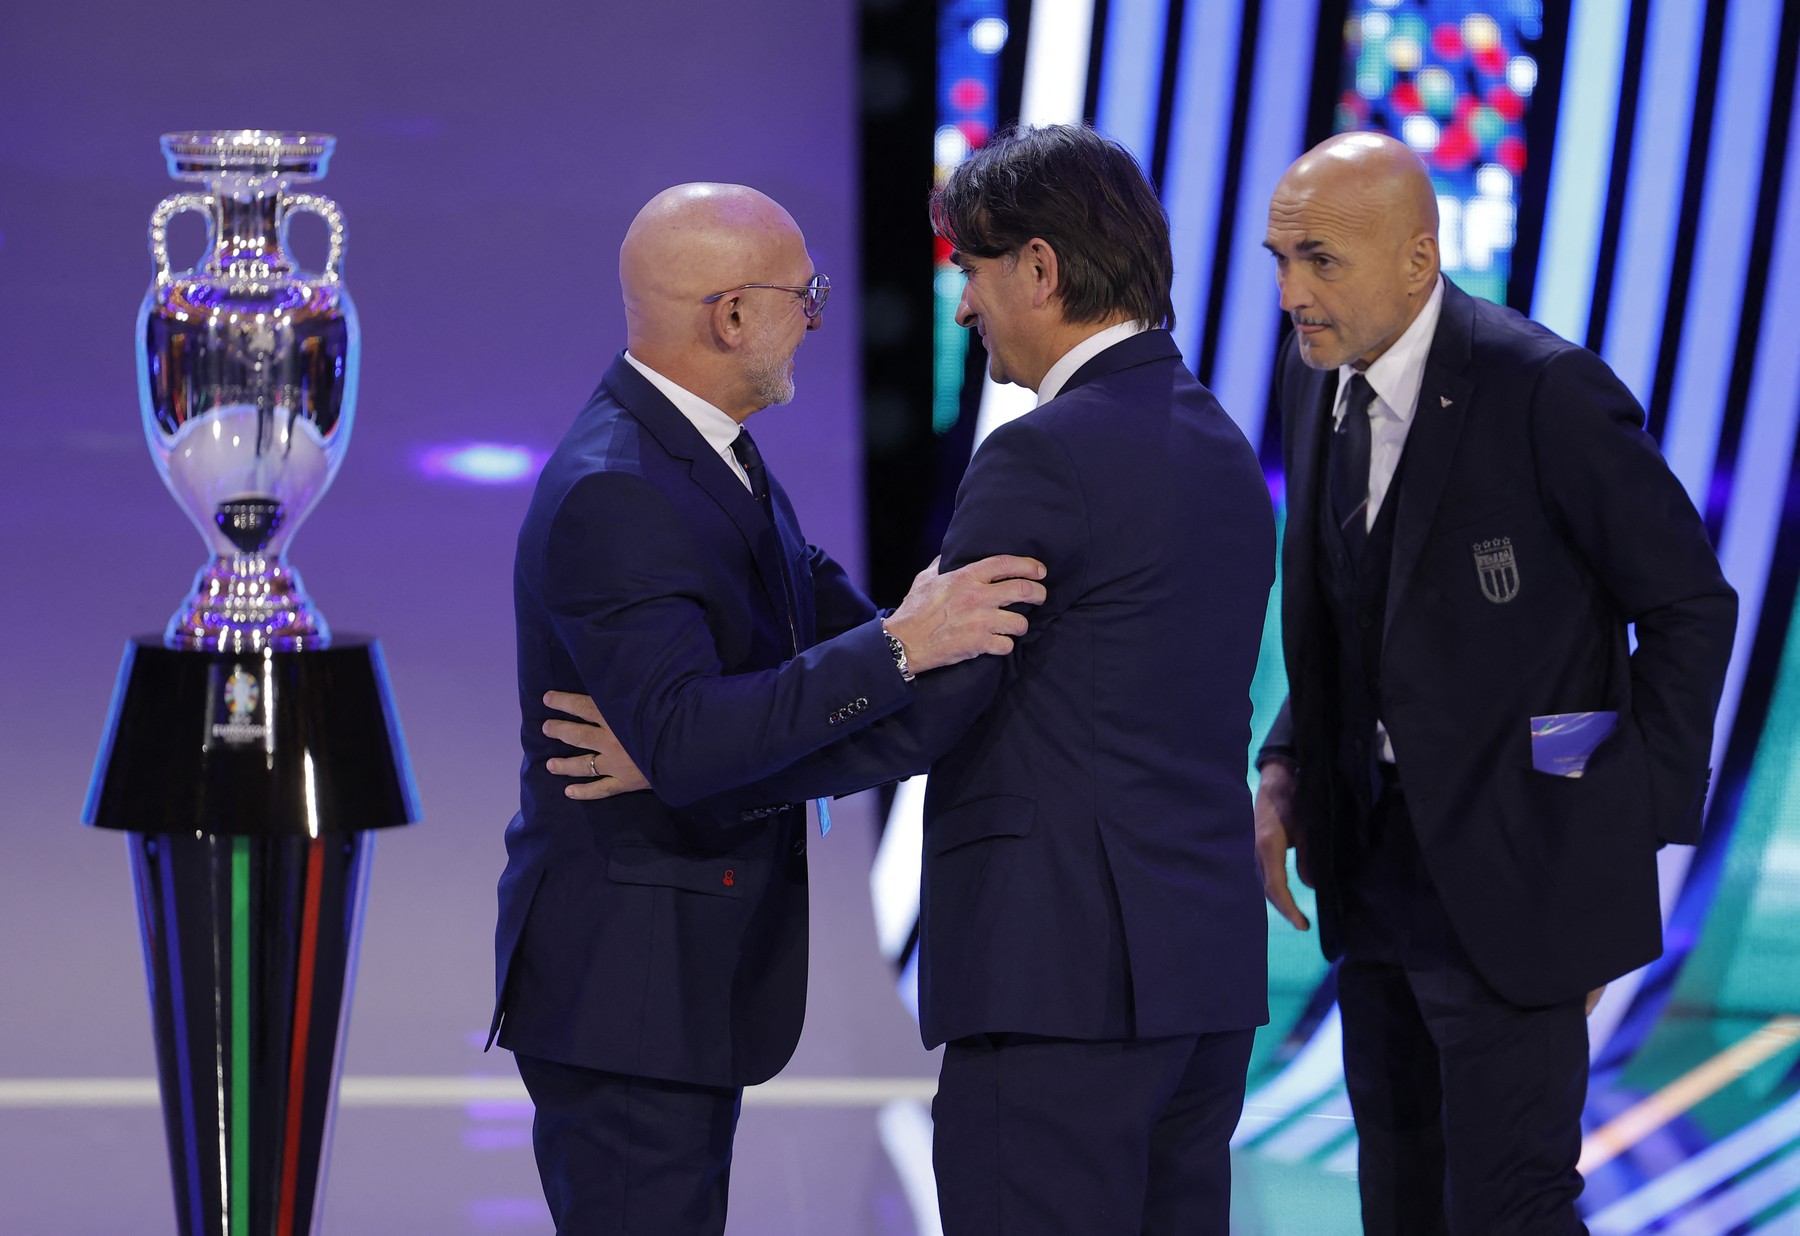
(964, 315)
(1292, 294)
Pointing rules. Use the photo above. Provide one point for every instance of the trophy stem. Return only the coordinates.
(250, 950)
(244, 602)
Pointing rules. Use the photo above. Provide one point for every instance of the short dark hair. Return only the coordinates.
(1083, 194)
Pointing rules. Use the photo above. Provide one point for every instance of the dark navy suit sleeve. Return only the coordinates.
(1020, 495)
(624, 585)
(1617, 502)
(838, 604)
(1279, 744)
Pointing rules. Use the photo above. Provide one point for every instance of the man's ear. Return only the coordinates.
(725, 322)
(1422, 262)
(1045, 269)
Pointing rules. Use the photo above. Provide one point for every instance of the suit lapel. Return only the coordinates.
(678, 437)
(1312, 433)
(1444, 395)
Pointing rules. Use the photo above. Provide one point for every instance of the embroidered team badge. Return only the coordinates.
(1498, 569)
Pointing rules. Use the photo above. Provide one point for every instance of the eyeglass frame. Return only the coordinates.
(818, 289)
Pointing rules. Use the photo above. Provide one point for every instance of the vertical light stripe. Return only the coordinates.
(1251, 313)
(894, 876)
(907, 985)
(1675, 1188)
(310, 777)
(905, 1128)
(298, 1041)
(1199, 140)
(1697, 407)
(1580, 165)
(1715, 297)
(1131, 75)
(218, 859)
(358, 858)
(163, 878)
(999, 404)
(1055, 87)
(240, 1035)
(1766, 449)
(1056, 62)
(1665, 115)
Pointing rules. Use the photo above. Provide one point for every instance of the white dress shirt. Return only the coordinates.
(1081, 354)
(719, 430)
(1395, 378)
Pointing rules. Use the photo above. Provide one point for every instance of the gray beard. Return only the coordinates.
(769, 378)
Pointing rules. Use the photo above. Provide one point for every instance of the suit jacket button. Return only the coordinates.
(800, 846)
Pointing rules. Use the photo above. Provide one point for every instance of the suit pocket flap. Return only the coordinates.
(997, 815)
(721, 876)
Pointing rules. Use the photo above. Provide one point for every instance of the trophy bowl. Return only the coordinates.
(247, 369)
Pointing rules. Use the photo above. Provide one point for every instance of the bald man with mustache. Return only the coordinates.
(651, 948)
(1475, 518)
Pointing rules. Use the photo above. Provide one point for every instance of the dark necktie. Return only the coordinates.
(1350, 466)
(744, 447)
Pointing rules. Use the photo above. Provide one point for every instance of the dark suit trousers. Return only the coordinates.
(630, 1156)
(1059, 1137)
(1468, 1108)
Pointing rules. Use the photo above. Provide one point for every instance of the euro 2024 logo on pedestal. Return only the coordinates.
(242, 694)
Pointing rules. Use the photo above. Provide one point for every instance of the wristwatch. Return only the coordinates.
(898, 651)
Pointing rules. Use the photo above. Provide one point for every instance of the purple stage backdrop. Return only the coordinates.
(489, 159)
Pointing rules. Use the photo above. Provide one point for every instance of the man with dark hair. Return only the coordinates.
(1107, 228)
(1476, 516)
(1092, 944)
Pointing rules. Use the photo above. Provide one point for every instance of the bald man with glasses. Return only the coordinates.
(651, 949)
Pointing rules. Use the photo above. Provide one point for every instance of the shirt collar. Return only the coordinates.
(719, 430)
(1081, 354)
(1398, 372)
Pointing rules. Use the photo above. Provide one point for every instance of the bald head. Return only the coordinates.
(1353, 227)
(693, 240)
(1372, 179)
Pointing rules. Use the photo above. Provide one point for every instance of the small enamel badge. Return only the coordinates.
(1498, 569)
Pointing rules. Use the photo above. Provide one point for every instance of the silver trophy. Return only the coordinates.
(247, 380)
(248, 755)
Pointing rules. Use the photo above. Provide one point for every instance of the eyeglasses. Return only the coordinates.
(812, 294)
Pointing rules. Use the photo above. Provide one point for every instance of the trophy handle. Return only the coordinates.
(326, 209)
(165, 210)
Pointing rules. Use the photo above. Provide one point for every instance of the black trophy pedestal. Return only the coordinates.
(249, 783)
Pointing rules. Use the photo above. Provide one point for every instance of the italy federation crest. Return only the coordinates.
(1498, 569)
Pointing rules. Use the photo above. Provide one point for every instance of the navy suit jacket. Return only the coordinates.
(665, 935)
(1089, 869)
(1523, 445)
